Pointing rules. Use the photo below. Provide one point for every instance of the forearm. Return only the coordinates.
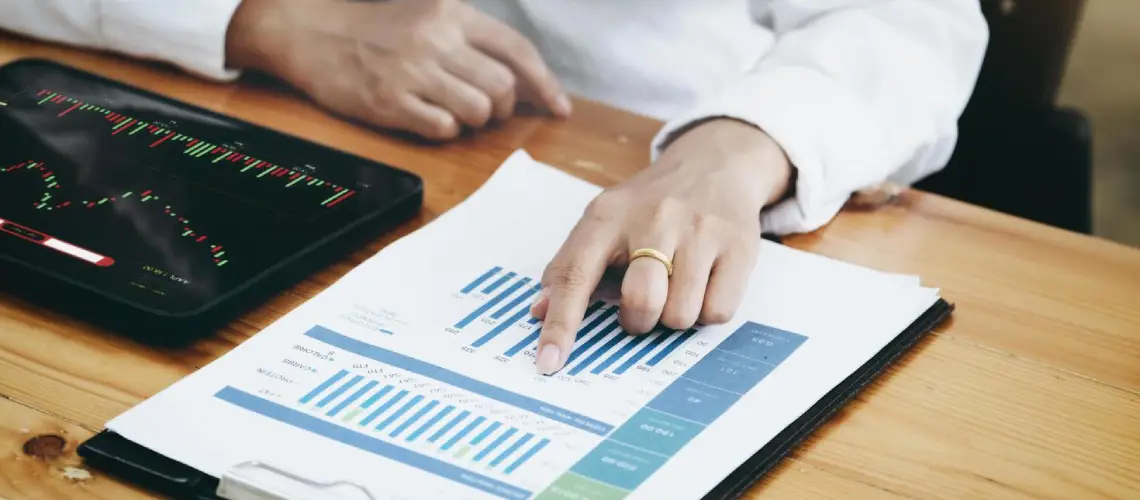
(856, 94)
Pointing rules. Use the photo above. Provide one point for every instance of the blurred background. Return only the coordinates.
(1103, 79)
(1051, 132)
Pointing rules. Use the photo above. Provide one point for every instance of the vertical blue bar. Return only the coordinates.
(376, 397)
(419, 414)
(463, 433)
(324, 385)
(356, 395)
(491, 303)
(511, 450)
(527, 456)
(501, 327)
(499, 282)
(434, 420)
(661, 337)
(384, 407)
(403, 409)
(593, 340)
(672, 345)
(339, 390)
(530, 339)
(455, 421)
(515, 303)
(495, 444)
(486, 432)
(601, 351)
(637, 339)
(479, 281)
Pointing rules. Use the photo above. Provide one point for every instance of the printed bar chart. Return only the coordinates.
(404, 416)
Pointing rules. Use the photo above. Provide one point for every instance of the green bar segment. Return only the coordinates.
(571, 486)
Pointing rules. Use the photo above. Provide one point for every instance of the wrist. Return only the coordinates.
(744, 147)
(251, 40)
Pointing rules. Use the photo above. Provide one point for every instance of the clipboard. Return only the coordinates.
(120, 457)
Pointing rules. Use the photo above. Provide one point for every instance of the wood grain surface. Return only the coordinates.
(1032, 390)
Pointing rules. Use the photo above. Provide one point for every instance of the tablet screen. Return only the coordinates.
(156, 202)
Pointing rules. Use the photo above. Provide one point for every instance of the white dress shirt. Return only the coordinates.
(856, 91)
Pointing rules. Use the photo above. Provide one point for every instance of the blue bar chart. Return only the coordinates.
(502, 301)
(428, 431)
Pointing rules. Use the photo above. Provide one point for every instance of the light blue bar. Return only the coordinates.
(481, 310)
(370, 444)
(501, 327)
(516, 302)
(661, 337)
(430, 423)
(486, 432)
(446, 428)
(339, 390)
(511, 450)
(599, 352)
(461, 381)
(376, 397)
(463, 433)
(495, 444)
(499, 282)
(384, 407)
(419, 414)
(324, 385)
(533, 337)
(479, 281)
(637, 339)
(399, 413)
(356, 395)
(527, 456)
(671, 347)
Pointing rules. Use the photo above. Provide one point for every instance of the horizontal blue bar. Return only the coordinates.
(461, 381)
(601, 334)
(324, 385)
(641, 353)
(487, 306)
(633, 342)
(431, 422)
(517, 301)
(486, 432)
(339, 390)
(384, 407)
(399, 413)
(479, 281)
(511, 449)
(672, 346)
(349, 400)
(438, 434)
(619, 336)
(370, 444)
(499, 282)
(501, 327)
(495, 444)
(408, 423)
(527, 456)
(375, 397)
(463, 433)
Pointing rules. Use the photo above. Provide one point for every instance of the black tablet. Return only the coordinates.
(142, 212)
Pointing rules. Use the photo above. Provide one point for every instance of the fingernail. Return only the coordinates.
(548, 358)
(563, 103)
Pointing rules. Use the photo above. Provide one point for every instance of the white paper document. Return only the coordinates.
(413, 376)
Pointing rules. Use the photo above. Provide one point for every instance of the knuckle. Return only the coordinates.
(637, 302)
(569, 276)
(666, 211)
(714, 314)
(605, 207)
(481, 110)
(676, 319)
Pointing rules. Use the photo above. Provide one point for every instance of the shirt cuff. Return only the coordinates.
(190, 34)
(828, 133)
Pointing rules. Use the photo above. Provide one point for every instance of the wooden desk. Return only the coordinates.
(1033, 390)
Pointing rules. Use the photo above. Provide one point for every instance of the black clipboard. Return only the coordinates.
(134, 463)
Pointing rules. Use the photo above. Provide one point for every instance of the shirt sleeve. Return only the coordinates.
(856, 92)
(190, 34)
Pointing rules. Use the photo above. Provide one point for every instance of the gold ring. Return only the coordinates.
(653, 254)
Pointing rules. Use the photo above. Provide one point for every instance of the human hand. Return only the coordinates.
(699, 204)
(425, 66)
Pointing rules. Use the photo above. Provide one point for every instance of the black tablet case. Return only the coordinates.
(117, 455)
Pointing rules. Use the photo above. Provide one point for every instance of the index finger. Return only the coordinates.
(568, 283)
(504, 43)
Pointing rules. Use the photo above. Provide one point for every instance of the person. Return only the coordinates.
(774, 111)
